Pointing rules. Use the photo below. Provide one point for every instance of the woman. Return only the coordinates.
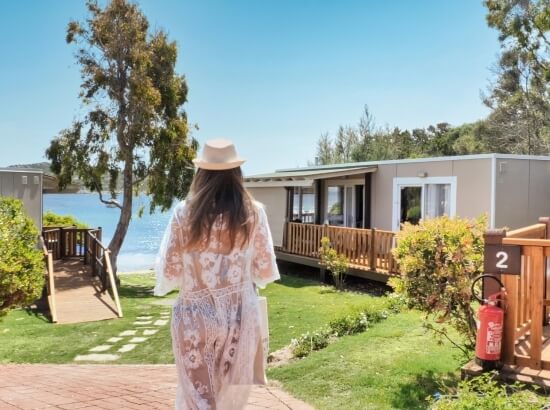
(216, 250)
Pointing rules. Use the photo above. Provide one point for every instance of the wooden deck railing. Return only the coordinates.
(365, 248)
(50, 284)
(528, 296)
(84, 243)
(99, 257)
(67, 241)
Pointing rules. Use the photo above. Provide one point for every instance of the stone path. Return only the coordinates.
(109, 387)
(125, 341)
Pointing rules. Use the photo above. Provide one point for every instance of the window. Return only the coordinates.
(335, 205)
(418, 198)
(303, 205)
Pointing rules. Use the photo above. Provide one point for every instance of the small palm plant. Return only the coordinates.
(336, 263)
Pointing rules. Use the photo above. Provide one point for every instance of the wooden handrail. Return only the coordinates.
(50, 285)
(107, 256)
(100, 261)
(536, 231)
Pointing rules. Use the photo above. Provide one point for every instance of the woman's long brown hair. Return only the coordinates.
(215, 193)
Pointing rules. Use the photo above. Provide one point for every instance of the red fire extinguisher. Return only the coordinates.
(491, 323)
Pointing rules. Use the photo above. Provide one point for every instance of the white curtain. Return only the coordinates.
(437, 200)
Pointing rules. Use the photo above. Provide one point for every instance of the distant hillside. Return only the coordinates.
(44, 166)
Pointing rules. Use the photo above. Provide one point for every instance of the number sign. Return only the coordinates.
(502, 259)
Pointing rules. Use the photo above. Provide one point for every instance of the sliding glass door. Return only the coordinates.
(419, 198)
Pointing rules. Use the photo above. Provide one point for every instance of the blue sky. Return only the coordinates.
(272, 75)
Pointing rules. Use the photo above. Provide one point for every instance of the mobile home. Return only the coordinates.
(26, 185)
(512, 190)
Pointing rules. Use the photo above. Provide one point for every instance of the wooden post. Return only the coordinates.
(537, 308)
(546, 310)
(492, 237)
(372, 250)
(509, 329)
(61, 244)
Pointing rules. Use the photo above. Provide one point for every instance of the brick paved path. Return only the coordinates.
(109, 387)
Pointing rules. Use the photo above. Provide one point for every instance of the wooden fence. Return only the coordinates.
(367, 249)
(527, 300)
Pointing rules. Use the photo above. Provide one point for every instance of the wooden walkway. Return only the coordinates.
(78, 294)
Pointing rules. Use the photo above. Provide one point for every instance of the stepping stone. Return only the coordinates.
(138, 339)
(145, 322)
(128, 333)
(144, 317)
(149, 332)
(126, 348)
(101, 348)
(115, 339)
(161, 322)
(96, 357)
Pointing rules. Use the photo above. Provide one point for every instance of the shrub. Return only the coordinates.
(349, 324)
(438, 259)
(21, 263)
(52, 219)
(336, 263)
(308, 342)
(485, 393)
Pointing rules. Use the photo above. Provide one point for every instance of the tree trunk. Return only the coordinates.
(125, 216)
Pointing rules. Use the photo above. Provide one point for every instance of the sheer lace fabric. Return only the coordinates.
(215, 323)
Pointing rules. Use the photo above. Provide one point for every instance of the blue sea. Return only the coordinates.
(144, 234)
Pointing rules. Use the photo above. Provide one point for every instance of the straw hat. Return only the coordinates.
(217, 155)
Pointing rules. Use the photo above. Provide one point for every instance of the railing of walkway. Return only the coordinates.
(85, 243)
(528, 295)
(365, 248)
(50, 284)
(99, 257)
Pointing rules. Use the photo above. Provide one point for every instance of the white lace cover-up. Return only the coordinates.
(215, 322)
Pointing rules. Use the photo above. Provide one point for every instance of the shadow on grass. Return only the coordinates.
(413, 395)
(131, 291)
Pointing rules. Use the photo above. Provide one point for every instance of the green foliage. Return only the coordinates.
(52, 219)
(21, 263)
(309, 342)
(367, 142)
(485, 393)
(519, 96)
(336, 263)
(134, 128)
(352, 323)
(438, 259)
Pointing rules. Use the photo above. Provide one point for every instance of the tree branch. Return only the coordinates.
(111, 201)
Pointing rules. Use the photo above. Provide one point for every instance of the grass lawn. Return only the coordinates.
(298, 305)
(394, 365)
(28, 337)
(295, 305)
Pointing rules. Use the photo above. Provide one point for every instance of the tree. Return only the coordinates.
(519, 98)
(135, 124)
(21, 263)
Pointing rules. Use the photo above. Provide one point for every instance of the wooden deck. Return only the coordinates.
(369, 251)
(78, 294)
(80, 285)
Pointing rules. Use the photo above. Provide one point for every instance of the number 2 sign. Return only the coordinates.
(502, 259)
